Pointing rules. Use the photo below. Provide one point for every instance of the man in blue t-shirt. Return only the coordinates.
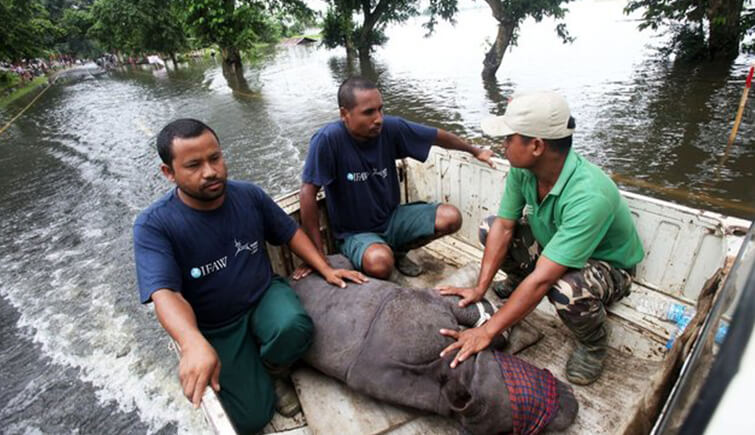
(354, 159)
(200, 257)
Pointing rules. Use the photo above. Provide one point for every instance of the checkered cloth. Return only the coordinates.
(532, 392)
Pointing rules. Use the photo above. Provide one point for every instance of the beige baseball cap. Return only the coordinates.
(542, 114)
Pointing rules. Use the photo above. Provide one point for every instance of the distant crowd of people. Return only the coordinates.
(28, 69)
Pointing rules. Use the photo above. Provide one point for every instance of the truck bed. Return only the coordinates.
(606, 407)
(684, 248)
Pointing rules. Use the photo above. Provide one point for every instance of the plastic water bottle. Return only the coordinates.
(681, 325)
(677, 313)
(665, 310)
(723, 329)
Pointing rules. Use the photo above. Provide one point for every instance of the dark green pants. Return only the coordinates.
(276, 330)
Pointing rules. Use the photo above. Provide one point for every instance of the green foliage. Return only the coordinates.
(514, 12)
(75, 24)
(87, 27)
(338, 25)
(699, 29)
(26, 30)
(162, 29)
(16, 89)
(240, 24)
(8, 79)
(114, 25)
(445, 9)
(137, 26)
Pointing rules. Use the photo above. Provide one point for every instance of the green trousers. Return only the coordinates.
(276, 330)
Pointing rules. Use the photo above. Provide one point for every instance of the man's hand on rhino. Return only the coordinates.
(468, 342)
(468, 295)
(301, 272)
(337, 277)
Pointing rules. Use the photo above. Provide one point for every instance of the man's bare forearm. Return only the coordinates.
(177, 317)
(496, 247)
(302, 246)
(310, 216)
(524, 299)
(451, 141)
(199, 365)
(526, 296)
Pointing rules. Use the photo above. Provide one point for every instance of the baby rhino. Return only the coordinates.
(383, 341)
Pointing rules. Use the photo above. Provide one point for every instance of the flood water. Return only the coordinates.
(81, 355)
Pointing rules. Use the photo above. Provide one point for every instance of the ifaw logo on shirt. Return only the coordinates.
(363, 176)
(251, 247)
(214, 266)
(222, 263)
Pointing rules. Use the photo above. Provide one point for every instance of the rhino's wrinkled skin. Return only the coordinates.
(383, 341)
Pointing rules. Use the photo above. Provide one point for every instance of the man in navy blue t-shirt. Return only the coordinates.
(354, 160)
(200, 257)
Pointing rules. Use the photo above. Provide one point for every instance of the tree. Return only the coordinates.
(510, 14)
(700, 29)
(163, 27)
(75, 25)
(115, 24)
(140, 26)
(27, 31)
(340, 30)
(235, 25)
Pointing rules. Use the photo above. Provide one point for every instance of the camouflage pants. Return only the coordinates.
(580, 296)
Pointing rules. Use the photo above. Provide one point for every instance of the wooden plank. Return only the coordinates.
(429, 424)
(606, 406)
(288, 425)
(332, 408)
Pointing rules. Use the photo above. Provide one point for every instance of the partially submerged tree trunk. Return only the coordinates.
(724, 33)
(371, 18)
(351, 50)
(231, 58)
(173, 58)
(234, 76)
(494, 56)
(506, 28)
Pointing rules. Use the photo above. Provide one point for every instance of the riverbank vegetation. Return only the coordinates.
(12, 93)
(38, 29)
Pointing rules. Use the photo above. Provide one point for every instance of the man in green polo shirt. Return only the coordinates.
(562, 230)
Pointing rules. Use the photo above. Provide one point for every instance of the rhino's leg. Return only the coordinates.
(342, 318)
(399, 360)
(472, 315)
(567, 408)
